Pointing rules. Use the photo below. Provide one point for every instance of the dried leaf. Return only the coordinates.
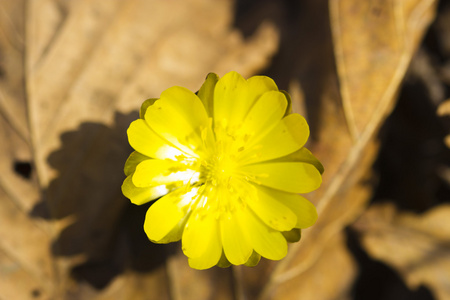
(373, 43)
(322, 281)
(415, 245)
(75, 76)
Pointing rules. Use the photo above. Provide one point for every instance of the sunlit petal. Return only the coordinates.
(286, 137)
(145, 141)
(141, 195)
(179, 117)
(166, 213)
(236, 245)
(266, 241)
(285, 176)
(152, 172)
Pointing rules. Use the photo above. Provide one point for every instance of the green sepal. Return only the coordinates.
(223, 261)
(133, 160)
(292, 236)
(289, 106)
(206, 92)
(145, 105)
(253, 260)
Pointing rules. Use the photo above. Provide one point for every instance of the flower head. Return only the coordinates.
(228, 164)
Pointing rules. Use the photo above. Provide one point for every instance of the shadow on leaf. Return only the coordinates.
(105, 228)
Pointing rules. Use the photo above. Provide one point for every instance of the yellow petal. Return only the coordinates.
(302, 155)
(200, 229)
(144, 140)
(201, 240)
(293, 177)
(236, 246)
(177, 231)
(270, 209)
(268, 110)
(133, 160)
(231, 101)
(153, 172)
(139, 195)
(289, 135)
(209, 259)
(266, 241)
(259, 85)
(164, 215)
(305, 211)
(179, 117)
(206, 93)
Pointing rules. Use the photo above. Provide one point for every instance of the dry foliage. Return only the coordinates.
(72, 76)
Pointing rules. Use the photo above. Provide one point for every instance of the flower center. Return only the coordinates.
(218, 170)
(223, 169)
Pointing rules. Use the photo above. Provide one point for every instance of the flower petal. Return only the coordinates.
(164, 215)
(302, 155)
(179, 117)
(206, 93)
(236, 245)
(144, 140)
(199, 230)
(231, 101)
(293, 177)
(271, 209)
(259, 85)
(266, 113)
(289, 135)
(139, 195)
(153, 172)
(266, 241)
(306, 211)
(201, 240)
(177, 231)
(210, 258)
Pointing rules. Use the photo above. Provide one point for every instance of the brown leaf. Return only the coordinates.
(329, 277)
(25, 259)
(415, 245)
(74, 79)
(76, 76)
(373, 43)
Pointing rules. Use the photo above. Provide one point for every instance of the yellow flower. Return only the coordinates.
(229, 163)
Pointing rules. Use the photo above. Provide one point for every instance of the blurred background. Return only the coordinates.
(371, 77)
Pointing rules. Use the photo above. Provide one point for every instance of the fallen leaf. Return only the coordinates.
(372, 43)
(415, 245)
(76, 74)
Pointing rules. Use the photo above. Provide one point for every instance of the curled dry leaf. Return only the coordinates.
(415, 245)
